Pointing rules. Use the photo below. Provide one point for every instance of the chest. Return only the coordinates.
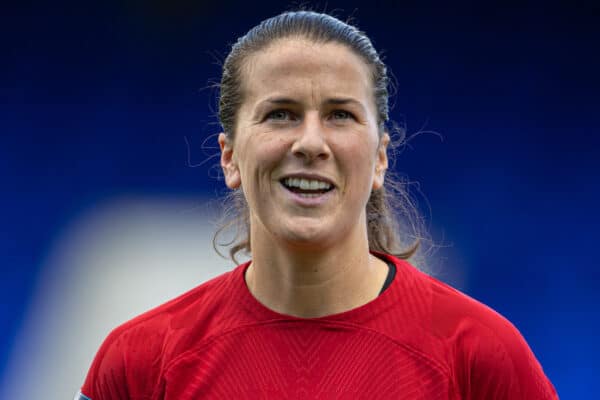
(303, 364)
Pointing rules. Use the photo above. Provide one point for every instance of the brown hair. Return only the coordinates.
(390, 209)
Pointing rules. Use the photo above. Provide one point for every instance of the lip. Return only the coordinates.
(307, 201)
(303, 175)
(301, 201)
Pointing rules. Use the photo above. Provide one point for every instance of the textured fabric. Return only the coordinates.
(420, 339)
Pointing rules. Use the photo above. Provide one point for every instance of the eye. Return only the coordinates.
(279, 115)
(340, 115)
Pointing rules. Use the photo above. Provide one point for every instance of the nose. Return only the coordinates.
(311, 142)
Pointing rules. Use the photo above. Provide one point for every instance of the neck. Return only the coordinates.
(311, 283)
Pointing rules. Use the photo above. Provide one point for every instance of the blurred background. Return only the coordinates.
(110, 186)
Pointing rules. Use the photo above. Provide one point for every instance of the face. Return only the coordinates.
(306, 151)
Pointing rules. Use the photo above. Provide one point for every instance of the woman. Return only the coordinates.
(323, 310)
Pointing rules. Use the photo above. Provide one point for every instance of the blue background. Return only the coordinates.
(98, 100)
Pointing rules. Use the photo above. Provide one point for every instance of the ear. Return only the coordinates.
(228, 164)
(381, 164)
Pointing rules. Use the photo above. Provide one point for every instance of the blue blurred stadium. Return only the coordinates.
(107, 163)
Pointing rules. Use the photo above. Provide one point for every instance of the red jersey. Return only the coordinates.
(419, 339)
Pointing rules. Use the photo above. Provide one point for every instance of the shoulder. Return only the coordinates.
(486, 354)
(130, 359)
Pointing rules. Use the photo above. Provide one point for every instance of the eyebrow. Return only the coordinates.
(290, 101)
(280, 100)
(342, 101)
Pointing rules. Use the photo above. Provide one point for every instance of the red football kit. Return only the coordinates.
(419, 339)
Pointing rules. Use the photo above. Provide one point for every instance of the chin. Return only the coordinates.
(307, 238)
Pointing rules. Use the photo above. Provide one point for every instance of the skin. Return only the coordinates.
(308, 109)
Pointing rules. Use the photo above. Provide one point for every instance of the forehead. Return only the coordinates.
(296, 66)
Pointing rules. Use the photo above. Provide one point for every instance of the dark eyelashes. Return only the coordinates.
(285, 113)
(289, 115)
(343, 112)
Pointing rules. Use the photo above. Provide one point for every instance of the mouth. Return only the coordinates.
(307, 187)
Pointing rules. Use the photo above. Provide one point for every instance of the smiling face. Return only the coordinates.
(306, 151)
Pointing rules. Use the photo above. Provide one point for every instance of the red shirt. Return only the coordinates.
(420, 339)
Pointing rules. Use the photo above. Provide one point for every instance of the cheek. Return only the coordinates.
(358, 155)
(260, 155)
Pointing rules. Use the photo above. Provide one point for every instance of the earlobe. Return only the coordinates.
(381, 164)
(379, 178)
(230, 169)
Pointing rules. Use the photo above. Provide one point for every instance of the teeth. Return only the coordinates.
(307, 184)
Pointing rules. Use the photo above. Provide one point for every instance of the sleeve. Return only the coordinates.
(107, 376)
(497, 364)
(129, 362)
